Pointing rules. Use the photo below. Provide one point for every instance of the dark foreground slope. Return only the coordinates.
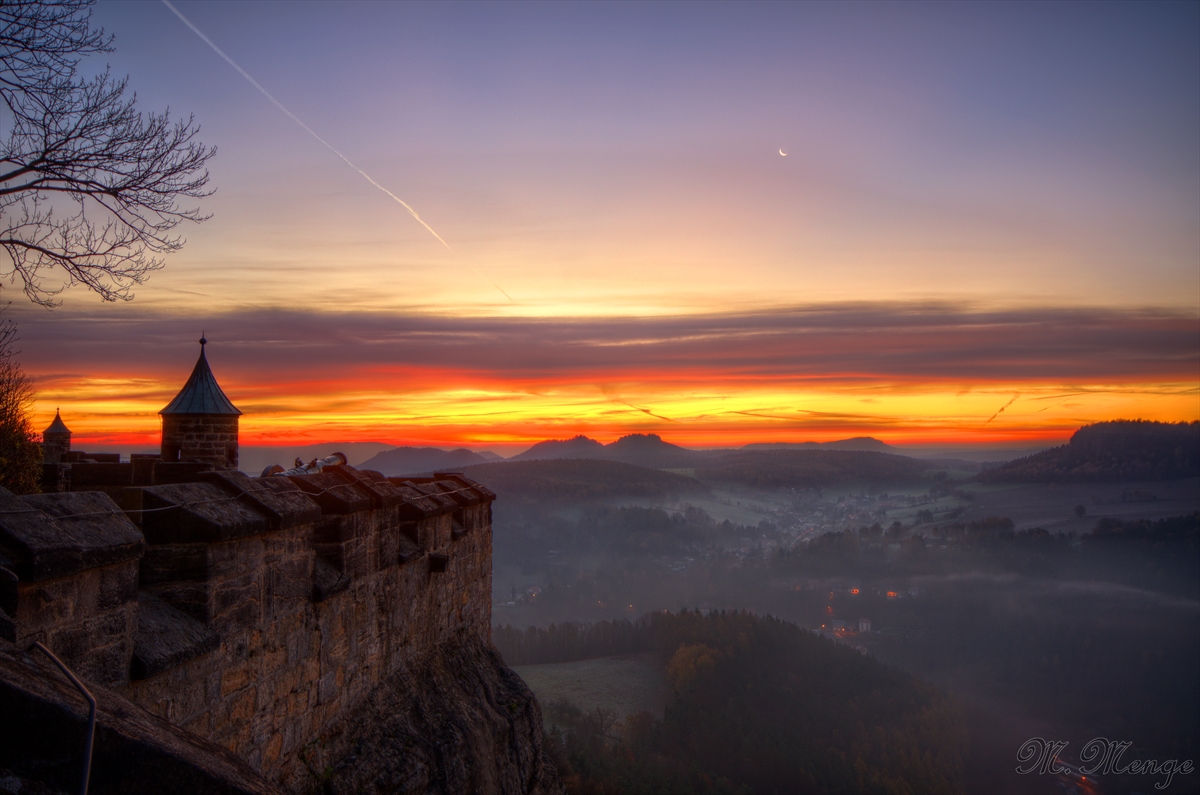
(43, 721)
(1111, 451)
(760, 705)
(457, 721)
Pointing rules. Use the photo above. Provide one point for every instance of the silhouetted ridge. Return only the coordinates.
(414, 460)
(1108, 451)
(577, 447)
(639, 449)
(858, 443)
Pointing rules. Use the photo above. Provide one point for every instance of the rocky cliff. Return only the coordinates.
(457, 721)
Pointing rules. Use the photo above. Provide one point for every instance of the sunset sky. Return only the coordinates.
(981, 207)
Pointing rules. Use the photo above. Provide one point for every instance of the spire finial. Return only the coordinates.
(203, 341)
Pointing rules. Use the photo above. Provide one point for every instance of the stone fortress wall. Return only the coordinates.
(258, 613)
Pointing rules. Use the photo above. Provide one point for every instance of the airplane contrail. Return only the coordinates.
(324, 143)
(1002, 408)
(639, 408)
(294, 118)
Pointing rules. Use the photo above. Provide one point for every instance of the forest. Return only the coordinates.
(809, 468)
(1088, 629)
(572, 479)
(759, 705)
(1111, 451)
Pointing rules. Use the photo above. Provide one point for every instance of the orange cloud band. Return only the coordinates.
(903, 372)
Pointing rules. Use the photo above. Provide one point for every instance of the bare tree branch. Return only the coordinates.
(90, 188)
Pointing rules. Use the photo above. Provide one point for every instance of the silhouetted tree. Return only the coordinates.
(89, 186)
(20, 455)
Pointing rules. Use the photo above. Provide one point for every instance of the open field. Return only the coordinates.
(1052, 506)
(625, 684)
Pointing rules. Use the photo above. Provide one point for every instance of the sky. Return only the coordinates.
(723, 223)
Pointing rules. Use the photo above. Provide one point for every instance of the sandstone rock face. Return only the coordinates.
(455, 721)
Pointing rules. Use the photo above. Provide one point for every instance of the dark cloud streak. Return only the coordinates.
(859, 344)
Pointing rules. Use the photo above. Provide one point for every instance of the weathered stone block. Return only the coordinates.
(117, 585)
(47, 536)
(47, 604)
(237, 602)
(234, 679)
(174, 563)
(196, 512)
(332, 493)
(327, 581)
(167, 637)
(193, 598)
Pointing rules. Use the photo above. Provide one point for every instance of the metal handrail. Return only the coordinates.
(91, 731)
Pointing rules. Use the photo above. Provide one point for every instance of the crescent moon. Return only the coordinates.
(782, 153)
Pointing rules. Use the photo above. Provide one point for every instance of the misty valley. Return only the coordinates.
(1054, 596)
(598, 398)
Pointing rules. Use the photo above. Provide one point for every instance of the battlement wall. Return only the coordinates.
(254, 612)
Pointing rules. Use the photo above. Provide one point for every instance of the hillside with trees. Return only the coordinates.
(1111, 451)
(811, 468)
(564, 480)
(759, 705)
(20, 454)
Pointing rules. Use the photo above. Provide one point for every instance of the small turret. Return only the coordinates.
(201, 423)
(56, 441)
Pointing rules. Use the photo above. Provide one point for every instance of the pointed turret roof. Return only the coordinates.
(201, 394)
(58, 426)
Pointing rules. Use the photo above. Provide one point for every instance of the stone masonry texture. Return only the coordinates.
(211, 438)
(296, 622)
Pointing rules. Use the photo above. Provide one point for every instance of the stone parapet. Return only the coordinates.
(68, 576)
(312, 617)
(254, 612)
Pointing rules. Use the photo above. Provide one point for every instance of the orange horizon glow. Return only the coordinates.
(724, 415)
(932, 375)
(627, 252)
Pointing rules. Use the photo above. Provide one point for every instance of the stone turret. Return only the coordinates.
(201, 424)
(56, 441)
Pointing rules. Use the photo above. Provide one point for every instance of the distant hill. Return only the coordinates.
(647, 450)
(767, 464)
(1111, 451)
(859, 443)
(577, 447)
(579, 479)
(809, 468)
(415, 460)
